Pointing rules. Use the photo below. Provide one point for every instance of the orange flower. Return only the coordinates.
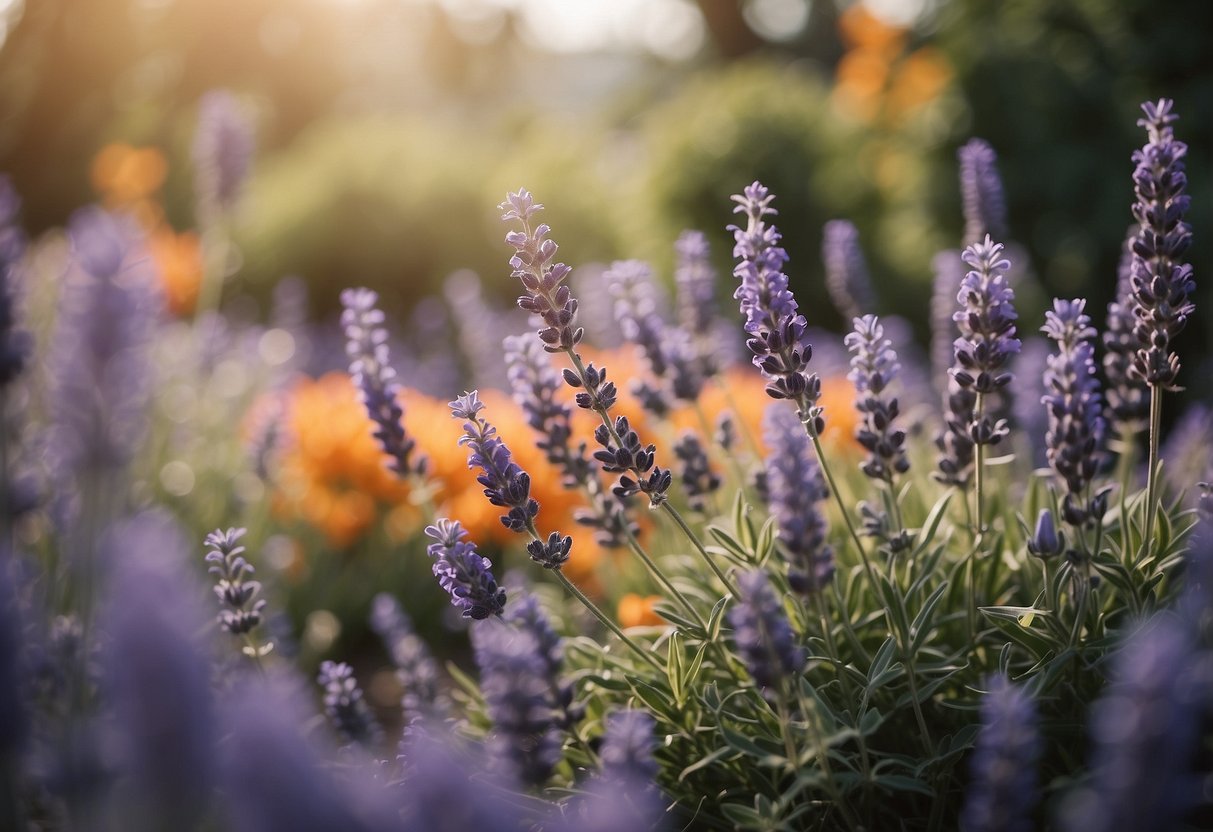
(129, 177)
(922, 76)
(637, 611)
(178, 259)
(860, 29)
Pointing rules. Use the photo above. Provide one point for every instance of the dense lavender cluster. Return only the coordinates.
(345, 705)
(1076, 424)
(699, 481)
(873, 367)
(847, 278)
(763, 635)
(370, 366)
(222, 151)
(1004, 793)
(985, 206)
(463, 572)
(633, 461)
(547, 295)
(795, 488)
(241, 609)
(1161, 282)
(774, 326)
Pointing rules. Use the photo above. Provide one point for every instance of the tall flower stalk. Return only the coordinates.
(1162, 283)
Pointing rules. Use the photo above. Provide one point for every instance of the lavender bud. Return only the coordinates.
(847, 279)
(222, 152)
(1004, 791)
(873, 368)
(240, 608)
(775, 328)
(630, 457)
(536, 384)
(519, 701)
(1162, 284)
(698, 478)
(627, 747)
(371, 369)
(795, 487)
(1046, 541)
(462, 572)
(1076, 425)
(985, 207)
(345, 706)
(726, 431)
(505, 483)
(762, 633)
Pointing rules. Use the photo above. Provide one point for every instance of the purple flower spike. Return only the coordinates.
(15, 345)
(695, 280)
(775, 327)
(987, 333)
(985, 206)
(1161, 283)
(1076, 424)
(547, 294)
(762, 633)
(627, 747)
(223, 151)
(795, 486)
(345, 706)
(462, 572)
(847, 279)
(873, 367)
(1128, 396)
(371, 368)
(1004, 788)
(416, 670)
(241, 611)
(698, 478)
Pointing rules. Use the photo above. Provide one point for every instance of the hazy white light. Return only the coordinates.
(898, 12)
(777, 19)
(177, 478)
(673, 29)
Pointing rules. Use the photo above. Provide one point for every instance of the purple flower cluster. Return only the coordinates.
(698, 479)
(985, 206)
(345, 705)
(795, 486)
(635, 463)
(1161, 283)
(695, 281)
(762, 633)
(1128, 397)
(627, 747)
(1003, 791)
(463, 572)
(774, 325)
(505, 483)
(518, 697)
(847, 278)
(416, 670)
(240, 614)
(370, 366)
(527, 615)
(873, 367)
(222, 151)
(15, 345)
(547, 294)
(1076, 424)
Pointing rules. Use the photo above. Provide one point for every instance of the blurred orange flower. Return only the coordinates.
(178, 259)
(637, 611)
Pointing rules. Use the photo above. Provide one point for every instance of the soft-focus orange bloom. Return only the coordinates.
(922, 76)
(126, 175)
(637, 611)
(178, 259)
(862, 29)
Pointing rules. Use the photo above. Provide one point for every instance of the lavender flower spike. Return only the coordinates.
(873, 366)
(627, 747)
(370, 366)
(547, 295)
(345, 706)
(462, 572)
(762, 633)
(1128, 396)
(416, 669)
(795, 486)
(505, 483)
(1076, 423)
(695, 281)
(1161, 283)
(987, 333)
(222, 151)
(241, 612)
(15, 345)
(985, 206)
(1004, 790)
(847, 279)
(772, 321)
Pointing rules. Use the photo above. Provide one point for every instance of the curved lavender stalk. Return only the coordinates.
(985, 205)
(370, 366)
(462, 572)
(847, 279)
(345, 706)
(873, 367)
(1076, 424)
(795, 487)
(241, 610)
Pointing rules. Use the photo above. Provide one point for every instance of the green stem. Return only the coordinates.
(979, 470)
(699, 547)
(846, 517)
(608, 623)
(823, 759)
(1152, 470)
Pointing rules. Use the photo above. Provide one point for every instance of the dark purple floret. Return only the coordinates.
(1003, 792)
(518, 697)
(762, 633)
(698, 478)
(775, 328)
(1128, 396)
(547, 295)
(627, 747)
(1076, 425)
(873, 367)
(1162, 283)
(222, 151)
(505, 483)
(1046, 541)
(416, 669)
(847, 278)
(985, 206)
(635, 463)
(1143, 745)
(15, 344)
(795, 486)
(987, 341)
(241, 610)
(463, 572)
(345, 706)
(370, 366)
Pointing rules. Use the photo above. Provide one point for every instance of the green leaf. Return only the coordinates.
(657, 699)
(675, 669)
(743, 815)
(927, 533)
(728, 542)
(743, 744)
(880, 662)
(922, 626)
(673, 614)
(903, 783)
(713, 757)
(716, 619)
